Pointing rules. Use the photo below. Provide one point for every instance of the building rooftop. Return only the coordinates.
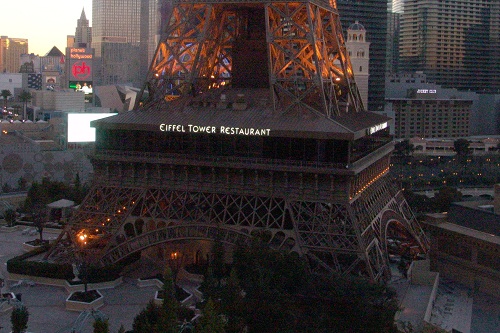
(214, 109)
(490, 238)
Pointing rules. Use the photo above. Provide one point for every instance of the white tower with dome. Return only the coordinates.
(359, 51)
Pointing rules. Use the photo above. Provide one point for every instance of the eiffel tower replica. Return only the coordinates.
(250, 122)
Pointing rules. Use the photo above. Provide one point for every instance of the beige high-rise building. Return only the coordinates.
(455, 42)
(116, 38)
(10, 53)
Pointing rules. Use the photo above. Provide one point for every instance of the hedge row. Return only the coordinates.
(19, 265)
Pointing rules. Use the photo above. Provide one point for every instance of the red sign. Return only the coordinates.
(80, 70)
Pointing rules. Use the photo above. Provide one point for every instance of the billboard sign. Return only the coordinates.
(79, 129)
(80, 64)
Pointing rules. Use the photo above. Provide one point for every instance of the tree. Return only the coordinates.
(461, 147)
(6, 188)
(39, 214)
(211, 321)
(25, 97)
(22, 183)
(19, 319)
(217, 262)
(5, 95)
(445, 196)
(232, 303)
(101, 326)
(419, 203)
(404, 148)
(168, 321)
(10, 217)
(146, 320)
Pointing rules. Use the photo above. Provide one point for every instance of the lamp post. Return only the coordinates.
(176, 263)
(82, 269)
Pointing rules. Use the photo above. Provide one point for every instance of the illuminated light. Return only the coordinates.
(82, 237)
(337, 79)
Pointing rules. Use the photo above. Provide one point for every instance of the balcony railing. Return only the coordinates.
(216, 160)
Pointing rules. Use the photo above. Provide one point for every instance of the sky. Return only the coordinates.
(44, 23)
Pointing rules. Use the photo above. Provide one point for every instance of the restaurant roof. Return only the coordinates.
(217, 109)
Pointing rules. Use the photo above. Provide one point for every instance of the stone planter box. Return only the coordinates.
(156, 300)
(149, 283)
(29, 247)
(159, 301)
(8, 229)
(82, 306)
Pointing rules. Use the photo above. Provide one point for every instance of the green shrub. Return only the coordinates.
(19, 265)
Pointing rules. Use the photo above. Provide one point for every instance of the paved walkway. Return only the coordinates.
(46, 304)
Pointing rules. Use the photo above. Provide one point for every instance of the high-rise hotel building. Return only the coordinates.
(10, 53)
(117, 29)
(455, 42)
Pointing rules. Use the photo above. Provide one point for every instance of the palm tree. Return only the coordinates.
(5, 95)
(25, 97)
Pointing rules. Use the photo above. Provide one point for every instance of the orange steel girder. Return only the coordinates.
(307, 59)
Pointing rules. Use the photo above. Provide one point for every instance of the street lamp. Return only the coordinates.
(82, 241)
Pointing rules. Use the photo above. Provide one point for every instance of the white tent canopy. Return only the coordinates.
(63, 203)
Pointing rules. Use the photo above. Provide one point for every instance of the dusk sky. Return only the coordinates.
(44, 23)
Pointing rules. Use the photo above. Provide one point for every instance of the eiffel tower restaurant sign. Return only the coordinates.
(228, 130)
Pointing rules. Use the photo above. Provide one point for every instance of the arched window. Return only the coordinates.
(360, 68)
(361, 37)
(355, 37)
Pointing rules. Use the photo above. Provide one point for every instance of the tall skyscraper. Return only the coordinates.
(83, 33)
(373, 15)
(393, 28)
(10, 53)
(116, 37)
(159, 10)
(455, 42)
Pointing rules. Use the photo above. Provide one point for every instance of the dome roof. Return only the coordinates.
(357, 26)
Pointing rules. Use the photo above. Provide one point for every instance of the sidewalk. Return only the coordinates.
(46, 304)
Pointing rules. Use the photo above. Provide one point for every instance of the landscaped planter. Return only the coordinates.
(80, 305)
(31, 245)
(8, 229)
(158, 300)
